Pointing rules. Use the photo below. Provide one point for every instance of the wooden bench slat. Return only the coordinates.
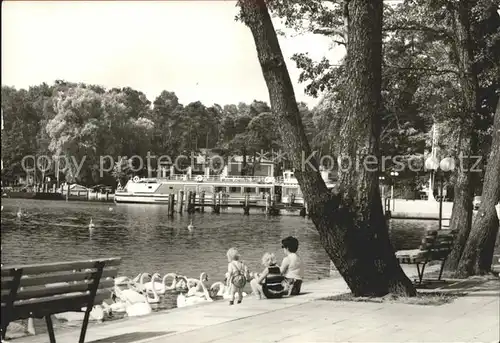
(59, 289)
(59, 266)
(41, 307)
(56, 278)
(435, 245)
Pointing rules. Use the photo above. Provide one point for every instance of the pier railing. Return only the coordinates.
(270, 180)
(216, 178)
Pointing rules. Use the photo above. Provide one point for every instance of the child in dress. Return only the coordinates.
(237, 275)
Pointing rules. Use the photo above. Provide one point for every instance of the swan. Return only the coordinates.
(149, 288)
(91, 225)
(122, 280)
(19, 213)
(136, 304)
(117, 306)
(110, 209)
(191, 226)
(181, 283)
(218, 286)
(173, 285)
(155, 298)
(190, 282)
(161, 287)
(129, 294)
(96, 314)
(198, 288)
(139, 284)
(183, 301)
(137, 278)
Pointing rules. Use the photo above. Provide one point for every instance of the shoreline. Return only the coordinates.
(180, 320)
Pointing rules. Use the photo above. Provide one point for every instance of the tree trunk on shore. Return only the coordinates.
(463, 47)
(351, 224)
(478, 253)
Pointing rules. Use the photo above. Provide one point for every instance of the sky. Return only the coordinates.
(193, 48)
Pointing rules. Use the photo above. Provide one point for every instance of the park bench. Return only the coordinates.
(435, 246)
(41, 290)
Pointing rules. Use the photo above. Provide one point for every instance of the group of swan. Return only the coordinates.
(192, 291)
(135, 296)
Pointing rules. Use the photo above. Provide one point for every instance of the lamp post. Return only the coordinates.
(394, 174)
(382, 192)
(445, 165)
(381, 180)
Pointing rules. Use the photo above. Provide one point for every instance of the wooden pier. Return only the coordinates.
(192, 202)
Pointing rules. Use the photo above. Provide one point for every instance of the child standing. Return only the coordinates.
(237, 275)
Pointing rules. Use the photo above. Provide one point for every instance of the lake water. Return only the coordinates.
(150, 241)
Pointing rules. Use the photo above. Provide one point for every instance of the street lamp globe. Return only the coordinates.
(432, 163)
(395, 173)
(447, 164)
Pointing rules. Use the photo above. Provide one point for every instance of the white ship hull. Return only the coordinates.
(236, 191)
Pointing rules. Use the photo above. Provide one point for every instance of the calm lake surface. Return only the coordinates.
(149, 241)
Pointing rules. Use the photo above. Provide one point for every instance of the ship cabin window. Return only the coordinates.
(249, 189)
(220, 189)
(234, 189)
(264, 190)
(149, 187)
(289, 191)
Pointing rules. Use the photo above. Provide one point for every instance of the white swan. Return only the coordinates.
(137, 292)
(183, 301)
(136, 304)
(117, 306)
(122, 280)
(97, 314)
(19, 213)
(218, 286)
(130, 295)
(197, 289)
(161, 287)
(191, 227)
(190, 282)
(139, 284)
(110, 209)
(154, 298)
(137, 278)
(91, 225)
(181, 284)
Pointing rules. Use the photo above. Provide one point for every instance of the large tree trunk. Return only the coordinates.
(478, 253)
(461, 218)
(351, 224)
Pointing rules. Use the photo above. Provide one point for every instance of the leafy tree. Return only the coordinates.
(477, 255)
(351, 224)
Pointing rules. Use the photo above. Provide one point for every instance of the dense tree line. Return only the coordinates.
(77, 120)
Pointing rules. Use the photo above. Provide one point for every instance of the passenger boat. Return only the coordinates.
(285, 190)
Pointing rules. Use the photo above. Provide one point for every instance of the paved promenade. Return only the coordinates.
(473, 318)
